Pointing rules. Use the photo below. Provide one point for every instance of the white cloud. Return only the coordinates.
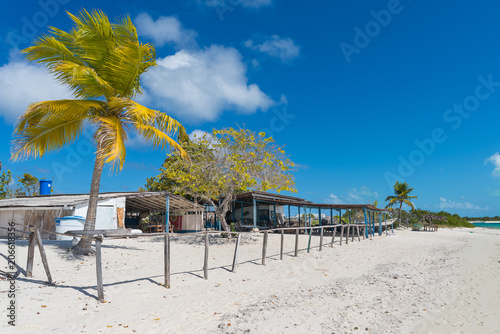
(199, 84)
(197, 134)
(355, 196)
(243, 3)
(495, 160)
(22, 83)
(450, 204)
(165, 30)
(276, 47)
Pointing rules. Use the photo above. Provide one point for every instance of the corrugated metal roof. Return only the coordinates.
(138, 200)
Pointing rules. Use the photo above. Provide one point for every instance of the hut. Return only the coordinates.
(114, 210)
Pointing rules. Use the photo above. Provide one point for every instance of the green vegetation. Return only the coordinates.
(440, 218)
(224, 164)
(401, 196)
(483, 219)
(101, 63)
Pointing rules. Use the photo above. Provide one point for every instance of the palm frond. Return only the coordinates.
(110, 138)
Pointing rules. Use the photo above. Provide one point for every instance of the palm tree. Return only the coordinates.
(101, 63)
(401, 192)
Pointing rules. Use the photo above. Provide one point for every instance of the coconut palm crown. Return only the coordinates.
(101, 63)
(401, 196)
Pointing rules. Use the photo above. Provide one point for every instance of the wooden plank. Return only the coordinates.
(282, 242)
(296, 242)
(321, 240)
(98, 267)
(43, 256)
(264, 247)
(205, 262)
(167, 261)
(31, 255)
(235, 258)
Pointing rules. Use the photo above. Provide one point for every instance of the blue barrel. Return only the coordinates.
(45, 187)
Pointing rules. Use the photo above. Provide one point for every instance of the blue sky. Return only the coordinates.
(362, 94)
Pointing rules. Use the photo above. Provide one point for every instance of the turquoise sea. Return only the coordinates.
(487, 224)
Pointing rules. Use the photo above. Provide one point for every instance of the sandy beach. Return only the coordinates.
(410, 282)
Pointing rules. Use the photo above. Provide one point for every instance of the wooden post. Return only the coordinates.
(341, 234)
(167, 260)
(235, 258)
(43, 256)
(296, 242)
(98, 268)
(31, 254)
(264, 247)
(352, 233)
(357, 228)
(348, 228)
(333, 236)
(205, 263)
(321, 240)
(310, 234)
(282, 242)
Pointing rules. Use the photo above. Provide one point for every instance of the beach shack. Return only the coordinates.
(137, 210)
(262, 210)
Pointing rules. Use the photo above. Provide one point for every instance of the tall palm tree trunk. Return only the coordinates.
(84, 246)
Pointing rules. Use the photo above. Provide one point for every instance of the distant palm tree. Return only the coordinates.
(101, 63)
(401, 192)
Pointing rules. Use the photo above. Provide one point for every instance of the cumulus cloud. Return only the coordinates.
(165, 30)
(450, 204)
(22, 83)
(276, 47)
(199, 84)
(362, 193)
(242, 3)
(334, 199)
(495, 160)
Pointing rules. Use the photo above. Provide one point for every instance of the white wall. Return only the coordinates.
(102, 212)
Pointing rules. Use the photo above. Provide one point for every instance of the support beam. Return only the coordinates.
(205, 262)
(296, 242)
(366, 223)
(98, 266)
(282, 242)
(289, 217)
(167, 213)
(275, 218)
(31, 254)
(43, 256)
(254, 213)
(379, 223)
(167, 260)
(236, 249)
(264, 247)
(321, 239)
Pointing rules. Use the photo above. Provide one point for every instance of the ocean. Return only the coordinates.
(494, 224)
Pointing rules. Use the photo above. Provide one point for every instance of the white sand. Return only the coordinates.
(412, 282)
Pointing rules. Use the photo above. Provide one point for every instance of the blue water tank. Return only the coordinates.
(45, 187)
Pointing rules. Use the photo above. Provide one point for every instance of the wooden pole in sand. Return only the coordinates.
(321, 239)
(236, 248)
(205, 263)
(282, 242)
(167, 260)
(264, 247)
(357, 228)
(341, 233)
(296, 242)
(31, 254)
(333, 236)
(43, 256)
(98, 267)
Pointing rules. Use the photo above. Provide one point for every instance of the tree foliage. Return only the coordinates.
(101, 62)
(5, 181)
(223, 164)
(401, 196)
(28, 185)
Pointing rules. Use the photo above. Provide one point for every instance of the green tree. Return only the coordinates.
(28, 185)
(101, 62)
(5, 181)
(401, 196)
(224, 164)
